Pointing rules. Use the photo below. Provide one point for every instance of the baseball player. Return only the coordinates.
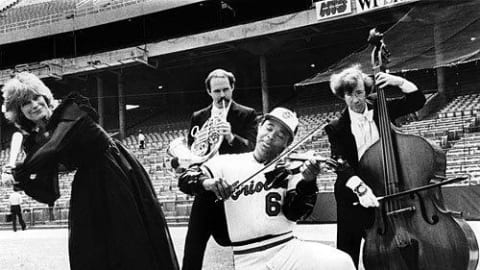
(261, 217)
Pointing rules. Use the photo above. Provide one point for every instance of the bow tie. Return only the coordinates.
(366, 117)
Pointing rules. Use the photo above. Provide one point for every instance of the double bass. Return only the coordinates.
(414, 231)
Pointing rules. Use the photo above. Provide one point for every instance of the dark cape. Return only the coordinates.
(115, 221)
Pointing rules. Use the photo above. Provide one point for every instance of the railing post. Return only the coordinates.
(32, 222)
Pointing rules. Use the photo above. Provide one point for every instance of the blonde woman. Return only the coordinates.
(115, 218)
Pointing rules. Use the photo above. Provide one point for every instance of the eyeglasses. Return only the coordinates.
(356, 93)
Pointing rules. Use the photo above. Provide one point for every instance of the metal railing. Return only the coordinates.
(176, 212)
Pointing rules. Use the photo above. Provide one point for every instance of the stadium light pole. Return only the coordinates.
(440, 70)
(264, 82)
(121, 106)
(100, 105)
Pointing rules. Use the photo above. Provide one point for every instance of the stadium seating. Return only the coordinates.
(34, 10)
(464, 105)
(451, 128)
(464, 158)
(6, 4)
(29, 13)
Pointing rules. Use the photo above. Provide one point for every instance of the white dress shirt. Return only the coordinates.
(364, 130)
(15, 198)
(220, 112)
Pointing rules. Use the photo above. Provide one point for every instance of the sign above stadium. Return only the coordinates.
(332, 8)
(366, 5)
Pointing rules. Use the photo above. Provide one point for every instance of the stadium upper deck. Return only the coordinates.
(159, 56)
(142, 46)
(60, 16)
(68, 28)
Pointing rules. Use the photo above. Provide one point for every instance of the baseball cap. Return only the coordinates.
(286, 118)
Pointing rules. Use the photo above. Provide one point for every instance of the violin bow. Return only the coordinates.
(422, 188)
(415, 190)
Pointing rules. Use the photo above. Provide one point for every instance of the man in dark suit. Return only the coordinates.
(239, 130)
(350, 136)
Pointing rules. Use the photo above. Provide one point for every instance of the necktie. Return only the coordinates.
(365, 123)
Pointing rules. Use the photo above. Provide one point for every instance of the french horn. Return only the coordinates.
(207, 141)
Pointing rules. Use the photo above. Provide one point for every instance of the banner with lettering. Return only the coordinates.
(332, 8)
(366, 5)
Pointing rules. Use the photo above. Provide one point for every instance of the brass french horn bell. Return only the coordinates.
(207, 142)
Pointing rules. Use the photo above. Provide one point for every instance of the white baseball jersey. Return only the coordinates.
(261, 234)
(252, 211)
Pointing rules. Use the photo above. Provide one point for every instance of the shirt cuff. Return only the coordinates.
(294, 180)
(408, 87)
(353, 182)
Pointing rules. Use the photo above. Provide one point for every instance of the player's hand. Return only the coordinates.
(364, 193)
(310, 169)
(225, 129)
(366, 197)
(383, 79)
(220, 187)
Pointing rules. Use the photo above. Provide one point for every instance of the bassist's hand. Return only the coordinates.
(364, 193)
(368, 199)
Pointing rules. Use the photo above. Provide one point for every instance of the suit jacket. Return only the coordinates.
(342, 145)
(244, 127)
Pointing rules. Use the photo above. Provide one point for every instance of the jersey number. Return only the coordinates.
(272, 203)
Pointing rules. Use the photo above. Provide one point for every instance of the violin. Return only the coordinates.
(288, 154)
(292, 164)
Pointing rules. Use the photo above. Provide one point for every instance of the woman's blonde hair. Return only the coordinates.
(19, 90)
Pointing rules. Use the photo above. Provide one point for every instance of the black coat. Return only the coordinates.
(115, 220)
(342, 145)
